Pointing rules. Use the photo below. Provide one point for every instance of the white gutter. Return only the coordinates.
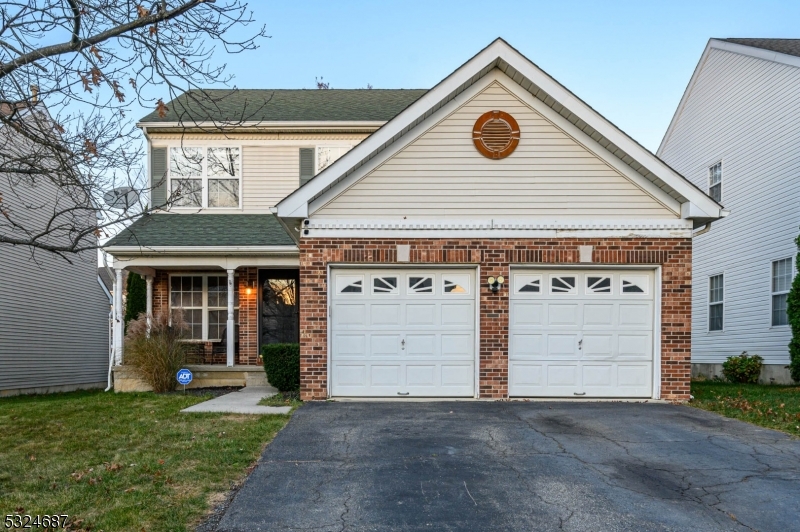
(202, 250)
(263, 124)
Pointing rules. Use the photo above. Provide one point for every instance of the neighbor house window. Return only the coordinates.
(715, 182)
(203, 299)
(205, 177)
(327, 155)
(781, 283)
(716, 302)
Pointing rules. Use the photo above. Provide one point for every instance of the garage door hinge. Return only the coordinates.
(330, 312)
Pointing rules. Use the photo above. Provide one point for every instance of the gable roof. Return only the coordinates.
(500, 55)
(207, 230)
(286, 105)
(784, 51)
(784, 46)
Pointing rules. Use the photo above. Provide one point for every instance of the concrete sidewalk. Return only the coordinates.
(245, 401)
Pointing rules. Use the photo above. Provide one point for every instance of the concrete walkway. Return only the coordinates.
(245, 401)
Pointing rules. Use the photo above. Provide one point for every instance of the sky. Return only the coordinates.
(631, 61)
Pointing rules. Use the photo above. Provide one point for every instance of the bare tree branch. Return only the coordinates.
(67, 134)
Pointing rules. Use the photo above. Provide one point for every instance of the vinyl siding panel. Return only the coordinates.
(269, 174)
(441, 174)
(744, 112)
(53, 315)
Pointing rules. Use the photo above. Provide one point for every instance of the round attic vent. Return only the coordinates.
(496, 134)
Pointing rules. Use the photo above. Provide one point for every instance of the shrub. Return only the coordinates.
(158, 355)
(136, 297)
(282, 364)
(793, 311)
(743, 368)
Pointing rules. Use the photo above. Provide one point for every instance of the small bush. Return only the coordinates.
(793, 312)
(282, 364)
(156, 357)
(743, 368)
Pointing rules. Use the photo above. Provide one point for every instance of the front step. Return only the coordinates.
(204, 376)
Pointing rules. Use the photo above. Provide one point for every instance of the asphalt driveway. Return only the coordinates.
(519, 466)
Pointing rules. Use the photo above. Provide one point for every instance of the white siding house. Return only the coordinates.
(736, 135)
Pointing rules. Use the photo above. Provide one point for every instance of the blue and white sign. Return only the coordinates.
(184, 376)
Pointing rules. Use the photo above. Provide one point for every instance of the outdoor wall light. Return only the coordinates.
(496, 283)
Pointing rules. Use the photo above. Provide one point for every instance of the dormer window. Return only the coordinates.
(205, 177)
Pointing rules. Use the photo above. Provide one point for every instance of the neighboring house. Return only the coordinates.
(492, 237)
(53, 314)
(735, 135)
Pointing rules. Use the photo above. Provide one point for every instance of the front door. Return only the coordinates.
(279, 306)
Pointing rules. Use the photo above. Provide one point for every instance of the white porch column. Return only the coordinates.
(231, 328)
(149, 280)
(119, 323)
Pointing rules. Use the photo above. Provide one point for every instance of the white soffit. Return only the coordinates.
(526, 74)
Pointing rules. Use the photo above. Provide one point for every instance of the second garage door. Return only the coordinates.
(581, 333)
(402, 332)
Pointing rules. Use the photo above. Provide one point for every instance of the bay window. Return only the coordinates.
(203, 300)
(205, 177)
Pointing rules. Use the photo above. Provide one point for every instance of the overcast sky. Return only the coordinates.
(629, 60)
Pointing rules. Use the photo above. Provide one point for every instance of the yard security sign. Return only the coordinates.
(184, 376)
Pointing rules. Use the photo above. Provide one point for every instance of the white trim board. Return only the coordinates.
(500, 54)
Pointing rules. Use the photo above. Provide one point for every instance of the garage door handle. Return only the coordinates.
(576, 393)
(402, 393)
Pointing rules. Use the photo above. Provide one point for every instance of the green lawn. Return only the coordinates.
(771, 406)
(117, 462)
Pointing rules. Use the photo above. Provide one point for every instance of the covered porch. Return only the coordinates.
(234, 298)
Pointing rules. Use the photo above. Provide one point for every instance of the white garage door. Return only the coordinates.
(581, 333)
(402, 332)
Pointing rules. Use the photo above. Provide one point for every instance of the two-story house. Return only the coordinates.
(735, 135)
(54, 312)
(493, 236)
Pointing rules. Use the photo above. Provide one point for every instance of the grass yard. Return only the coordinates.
(118, 462)
(283, 399)
(771, 406)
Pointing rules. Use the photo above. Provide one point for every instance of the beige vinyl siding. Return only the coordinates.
(269, 174)
(745, 112)
(270, 162)
(441, 174)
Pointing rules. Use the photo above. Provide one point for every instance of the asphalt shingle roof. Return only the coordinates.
(203, 230)
(784, 46)
(287, 105)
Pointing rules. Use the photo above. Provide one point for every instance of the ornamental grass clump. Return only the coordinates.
(743, 368)
(157, 355)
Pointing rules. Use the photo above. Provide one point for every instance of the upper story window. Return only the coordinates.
(715, 182)
(205, 177)
(327, 155)
(716, 302)
(781, 283)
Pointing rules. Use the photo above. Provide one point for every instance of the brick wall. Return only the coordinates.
(494, 258)
(248, 316)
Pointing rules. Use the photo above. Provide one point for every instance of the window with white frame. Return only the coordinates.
(781, 283)
(205, 177)
(327, 155)
(716, 302)
(203, 299)
(715, 182)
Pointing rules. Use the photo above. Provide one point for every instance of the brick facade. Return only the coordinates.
(494, 257)
(248, 316)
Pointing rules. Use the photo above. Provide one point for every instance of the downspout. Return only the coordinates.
(706, 228)
(111, 317)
